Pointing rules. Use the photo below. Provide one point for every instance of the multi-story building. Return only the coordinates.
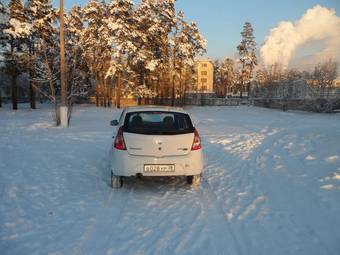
(205, 76)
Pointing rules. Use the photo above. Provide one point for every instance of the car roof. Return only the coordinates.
(148, 108)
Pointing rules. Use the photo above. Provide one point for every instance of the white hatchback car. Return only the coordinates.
(155, 141)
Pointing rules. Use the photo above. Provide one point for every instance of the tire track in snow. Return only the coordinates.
(219, 222)
(167, 221)
(262, 173)
(99, 223)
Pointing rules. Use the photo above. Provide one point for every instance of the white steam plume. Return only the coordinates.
(317, 24)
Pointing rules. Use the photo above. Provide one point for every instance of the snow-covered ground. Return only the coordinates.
(271, 186)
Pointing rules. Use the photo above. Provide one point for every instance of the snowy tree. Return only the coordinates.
(122, 37)
(18, 31)
(78, 79)
(323, 77)
(186, 43)
(139, 45)
(248, 60)
(96, 45)
(227, 75)
(154, 23)
(42, 17)
(18, 24)
(44, 52)
(217, 77)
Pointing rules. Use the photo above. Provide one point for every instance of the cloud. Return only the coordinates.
(317, 24)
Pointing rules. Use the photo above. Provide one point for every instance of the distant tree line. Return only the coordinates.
(278, 82)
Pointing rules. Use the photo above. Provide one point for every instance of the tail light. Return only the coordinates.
(196, 145)
(119, 143)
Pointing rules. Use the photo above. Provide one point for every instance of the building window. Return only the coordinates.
(204, 80)
(204, 73)
(204, 87)
(204, 65)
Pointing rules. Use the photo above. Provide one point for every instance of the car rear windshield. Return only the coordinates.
(158, 123)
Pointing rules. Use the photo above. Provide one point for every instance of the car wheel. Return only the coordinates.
(116, 181)
(194, 180)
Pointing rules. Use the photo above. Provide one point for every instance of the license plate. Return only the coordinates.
(159, 168)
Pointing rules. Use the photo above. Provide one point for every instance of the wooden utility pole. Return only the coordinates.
(63, 106)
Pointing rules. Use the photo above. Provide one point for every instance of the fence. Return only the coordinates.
(199, 101)
(312, 105)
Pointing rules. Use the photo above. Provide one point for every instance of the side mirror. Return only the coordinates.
(114, 123)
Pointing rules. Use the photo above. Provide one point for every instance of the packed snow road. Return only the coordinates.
(271, 186)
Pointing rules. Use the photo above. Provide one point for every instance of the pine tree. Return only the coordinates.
(42, 17)
(18, 31)
(247, 54)
(95, 44)
(217, 78)
(123, 36)
(77, 71)
(18, 23)
(186, 43)
(44, 52)
(227, 75)
(155, 20)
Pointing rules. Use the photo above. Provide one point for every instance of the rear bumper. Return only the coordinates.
(123, 164)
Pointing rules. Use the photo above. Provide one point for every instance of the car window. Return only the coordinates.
(158, 123)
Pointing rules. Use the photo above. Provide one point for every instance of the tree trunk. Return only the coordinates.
(105, 91)
(173, 91)
(0, 98)
(248, 89)
(241, 88)
(32, 95)
(14, 92)
(56, 113)
(100, 95)
(225, 88)
(109, 92)
(158, 85)
(100, 91)
(118, 90)
(185, 90)
(97, 93)
(180, 85)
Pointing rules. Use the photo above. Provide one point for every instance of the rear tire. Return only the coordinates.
(116, 181)
(194, 180)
